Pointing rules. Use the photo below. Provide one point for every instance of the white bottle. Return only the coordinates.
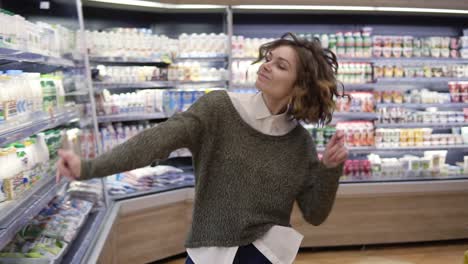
(43, 156)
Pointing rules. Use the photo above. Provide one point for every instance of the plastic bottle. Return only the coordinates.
(14, 103)
(42, 149)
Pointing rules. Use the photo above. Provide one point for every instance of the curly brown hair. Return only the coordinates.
(316, 83)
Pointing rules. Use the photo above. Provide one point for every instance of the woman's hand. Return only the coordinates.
(335, 151)
(68, 165)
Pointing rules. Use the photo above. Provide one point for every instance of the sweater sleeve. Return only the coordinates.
(318, 194)
(183, 130)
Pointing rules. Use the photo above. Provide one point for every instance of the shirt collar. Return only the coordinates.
(262, 111)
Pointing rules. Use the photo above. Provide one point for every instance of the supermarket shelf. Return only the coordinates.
(419, 60)
(404, 179)
(77, 93)
(460, 147)
(35, 123)
(163, 60)
(416, 125)
(244, 58)
(86, 238)
(202, 59)
(355, 115)
(19, 212)
(99, 86)
(130, 117)
(422, 106)
(364, 150)
(409, 61)
(362, 87)
(155, 190)
(213, 83)
(355, 150)
(420, 80)
(12, 55)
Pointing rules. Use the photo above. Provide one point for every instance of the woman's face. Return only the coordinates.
(277, 75)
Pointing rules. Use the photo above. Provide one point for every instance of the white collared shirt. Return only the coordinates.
(280, 244)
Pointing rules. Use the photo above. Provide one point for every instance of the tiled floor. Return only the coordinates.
(427, 253)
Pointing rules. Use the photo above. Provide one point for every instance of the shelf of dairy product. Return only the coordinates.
(129, 46)
(187, 73)
(148, 180)
(161, 60)
(450, 105)
(361, 137)
(34, 123)
(38, 42)
(202, 46)
(146, 104)
(420, 125)
(362, 45)
(140, 45)
(48, 236)
(27, 171)
(430, 166)
(424, 98)
(394, 117)
(100, 86)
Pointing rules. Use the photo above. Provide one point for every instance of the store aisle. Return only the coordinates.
(428, 253)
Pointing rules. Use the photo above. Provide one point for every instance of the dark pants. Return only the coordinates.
(245, 255)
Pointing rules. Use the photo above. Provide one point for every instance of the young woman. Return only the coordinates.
(251, 156)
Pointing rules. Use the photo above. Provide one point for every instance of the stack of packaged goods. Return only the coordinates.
(111, 136)
(147, 178)
(130, 74)
(346, 44)
(244, 73)
(243, 47)
(130, 43)
(419, 137)
(431, 164)
(355, 72)
(39, 38)
(192, 71)
(418, 96)
(27, 93)
(48, 236)
(458, 92)
(149, 101)
(360, 102)
(202, 45)
(421, 71)
(400, 115)
(141, 43)
(26, 162)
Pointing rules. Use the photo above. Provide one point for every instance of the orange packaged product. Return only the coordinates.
(397, 97)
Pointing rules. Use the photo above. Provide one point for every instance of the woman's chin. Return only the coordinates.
(259, 85)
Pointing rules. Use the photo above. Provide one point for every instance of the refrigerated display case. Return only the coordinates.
(45, 106)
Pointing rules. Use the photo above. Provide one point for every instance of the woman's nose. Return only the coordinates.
(267, 66)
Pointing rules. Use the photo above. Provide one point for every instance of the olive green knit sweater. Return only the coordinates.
(245, 181)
